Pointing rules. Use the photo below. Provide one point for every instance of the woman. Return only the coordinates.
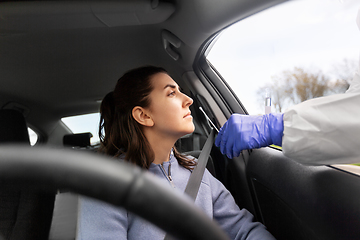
(142, 119)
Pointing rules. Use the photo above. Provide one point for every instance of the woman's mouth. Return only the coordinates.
(188, 115)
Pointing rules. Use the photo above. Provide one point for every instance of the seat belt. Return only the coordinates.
(196, 176)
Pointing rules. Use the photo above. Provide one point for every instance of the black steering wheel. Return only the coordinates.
(115, 182)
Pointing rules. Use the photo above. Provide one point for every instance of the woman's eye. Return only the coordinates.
(172, 93)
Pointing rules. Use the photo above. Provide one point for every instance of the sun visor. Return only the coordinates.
(132, 12)
(45, 15)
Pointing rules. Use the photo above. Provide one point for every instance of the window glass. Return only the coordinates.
(33, 137)
(291, 52)
(84, 123)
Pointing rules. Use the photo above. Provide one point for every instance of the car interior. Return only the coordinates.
(60, 58)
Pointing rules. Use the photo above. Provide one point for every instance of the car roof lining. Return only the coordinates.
(46, 15)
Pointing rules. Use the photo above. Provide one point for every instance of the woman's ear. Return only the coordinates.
(141, 116)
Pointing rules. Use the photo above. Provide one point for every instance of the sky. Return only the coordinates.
(314, 34)
(84, 123)
(306, 33)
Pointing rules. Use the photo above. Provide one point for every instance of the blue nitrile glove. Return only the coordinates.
(247, 132)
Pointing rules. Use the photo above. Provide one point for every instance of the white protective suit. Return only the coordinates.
(325, 130)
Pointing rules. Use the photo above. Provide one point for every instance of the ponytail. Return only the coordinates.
(107, 111)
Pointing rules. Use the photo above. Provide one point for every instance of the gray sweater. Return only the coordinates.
(99, 220)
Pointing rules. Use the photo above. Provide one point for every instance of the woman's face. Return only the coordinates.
(169, 108)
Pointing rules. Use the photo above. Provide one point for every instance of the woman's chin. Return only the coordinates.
(191, 129)
(188, 131)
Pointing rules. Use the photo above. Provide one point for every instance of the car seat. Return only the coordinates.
(64, 222)
(25, 210)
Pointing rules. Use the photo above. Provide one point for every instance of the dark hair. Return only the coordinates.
(119, 132)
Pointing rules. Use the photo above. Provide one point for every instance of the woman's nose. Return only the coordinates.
(188, 101)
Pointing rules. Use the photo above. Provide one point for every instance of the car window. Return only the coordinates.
(84, 123)
(33, 136)
(289, 53)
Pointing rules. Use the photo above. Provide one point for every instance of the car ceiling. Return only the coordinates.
(60, 58)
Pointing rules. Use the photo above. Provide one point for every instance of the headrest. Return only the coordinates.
(77, 140)
(13, 128)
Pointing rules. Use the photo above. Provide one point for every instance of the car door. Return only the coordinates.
(293, 200)
(303, 202)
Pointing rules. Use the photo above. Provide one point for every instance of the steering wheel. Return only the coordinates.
(112, 181)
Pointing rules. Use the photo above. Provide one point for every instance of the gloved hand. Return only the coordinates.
(247, 132)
